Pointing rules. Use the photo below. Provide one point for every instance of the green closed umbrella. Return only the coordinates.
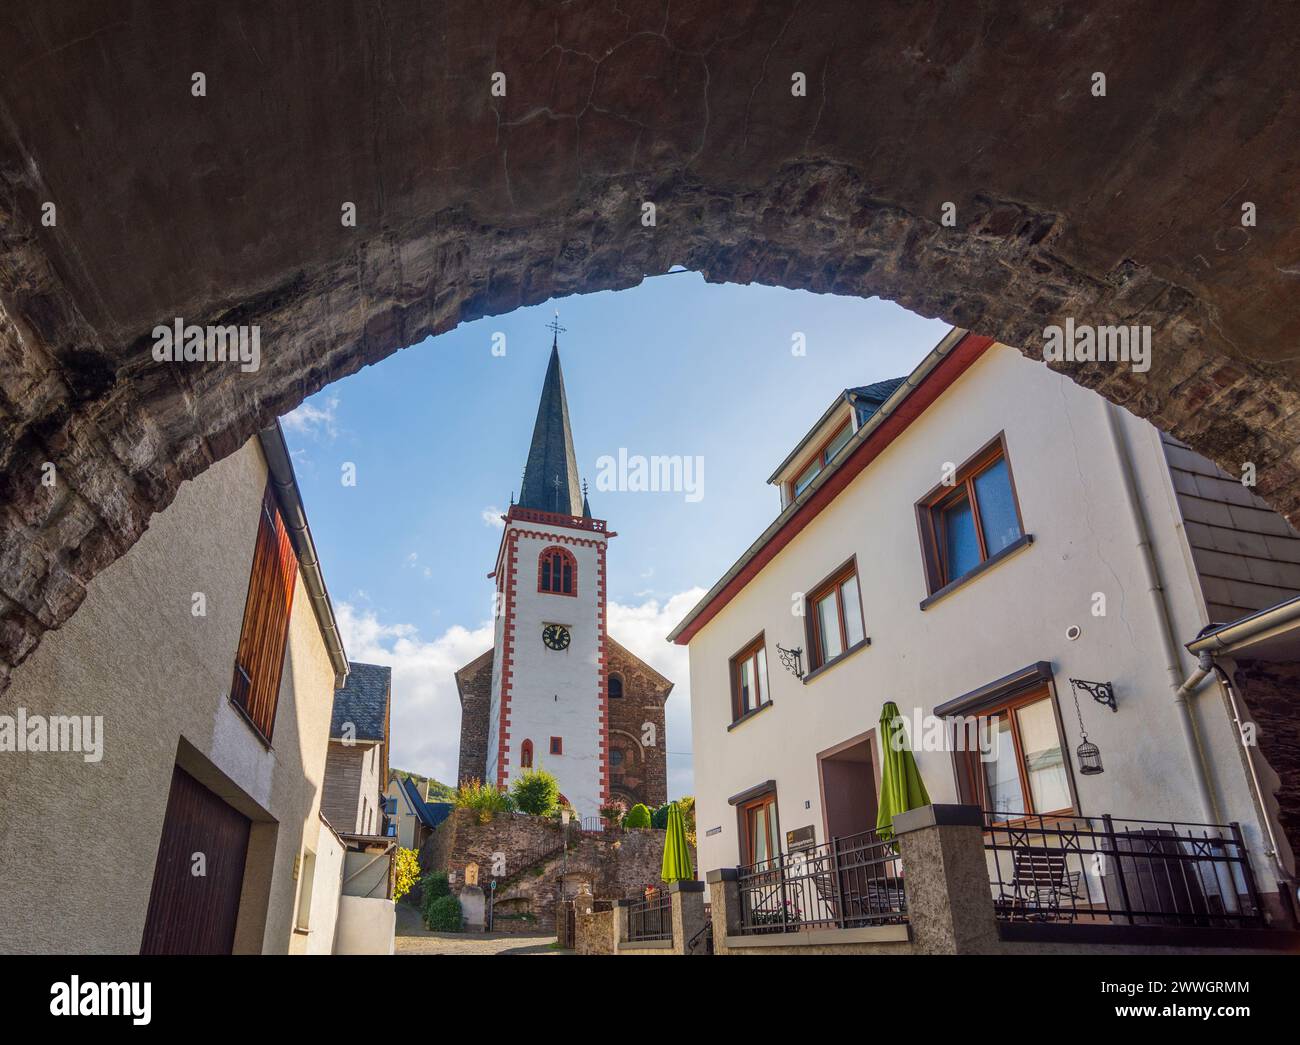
(677, 850)
(901, 786)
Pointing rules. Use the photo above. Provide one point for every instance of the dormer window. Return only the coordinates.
(823, 457)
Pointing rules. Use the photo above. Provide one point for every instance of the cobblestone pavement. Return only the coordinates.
(413, 938)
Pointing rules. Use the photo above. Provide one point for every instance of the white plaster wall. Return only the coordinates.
(135, 654)
(405, 815)
(557, 693)
(1068, 483)
(327, 886)
(365, 926)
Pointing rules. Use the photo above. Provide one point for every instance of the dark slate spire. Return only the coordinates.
(551, 475)
(586, 504)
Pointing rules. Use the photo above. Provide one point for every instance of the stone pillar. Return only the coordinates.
(724, 896)
(949, 901)
(687, 900)
(621, 923)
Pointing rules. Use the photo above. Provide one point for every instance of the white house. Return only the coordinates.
(965, 542)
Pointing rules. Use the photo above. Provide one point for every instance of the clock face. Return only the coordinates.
(556, 636)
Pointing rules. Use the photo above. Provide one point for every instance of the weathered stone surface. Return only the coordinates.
(613, 865)
(1123, 208)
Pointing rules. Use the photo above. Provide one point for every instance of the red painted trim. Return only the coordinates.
(511, 549)
(602, 696)
(573, 522)
(951, 367)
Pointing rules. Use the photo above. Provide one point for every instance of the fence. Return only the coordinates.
(1135, 872)
(846, 883)
(650, 918)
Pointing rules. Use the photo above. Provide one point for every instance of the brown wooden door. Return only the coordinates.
(189, 913)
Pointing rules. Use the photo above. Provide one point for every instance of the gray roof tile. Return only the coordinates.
(363, 701)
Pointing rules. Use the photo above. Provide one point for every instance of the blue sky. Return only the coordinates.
(438, 434)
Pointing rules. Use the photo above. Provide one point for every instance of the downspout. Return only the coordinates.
(1255, 786)
(1182, 688)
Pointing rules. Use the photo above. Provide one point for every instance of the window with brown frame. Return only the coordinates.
(749, 689)
(824, 456)
(557, 745)
(966, 522)
(255, 688)
(833, 611)
(557, 572)
(526, 755)
(1026, 771)
(759, 843)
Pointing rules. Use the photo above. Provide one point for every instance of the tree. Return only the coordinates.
(535, 791)
(408, 872)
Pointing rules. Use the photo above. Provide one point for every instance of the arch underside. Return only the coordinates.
(1122, 209)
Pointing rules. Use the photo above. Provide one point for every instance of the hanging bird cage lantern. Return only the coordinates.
(1087, 753)
(1089, 756)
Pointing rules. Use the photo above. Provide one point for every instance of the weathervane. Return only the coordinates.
(556, 330)
(556, 483)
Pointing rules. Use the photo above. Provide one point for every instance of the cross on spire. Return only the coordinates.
(556, 330)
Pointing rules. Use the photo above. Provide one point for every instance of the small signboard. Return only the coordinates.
(713, 831)
(800, 838)
(471, 874)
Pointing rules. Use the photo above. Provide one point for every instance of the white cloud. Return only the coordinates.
(491, 516)
(426, 709)
(313, 420)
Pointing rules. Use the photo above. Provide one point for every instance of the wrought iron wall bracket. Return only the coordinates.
(791, 659)
(1101, 692)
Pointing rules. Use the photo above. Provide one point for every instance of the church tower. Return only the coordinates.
(548, 704)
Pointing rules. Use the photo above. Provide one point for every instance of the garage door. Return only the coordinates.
(193, 913)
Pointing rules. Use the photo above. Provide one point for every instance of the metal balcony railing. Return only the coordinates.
(1078, 869)
(846, 883)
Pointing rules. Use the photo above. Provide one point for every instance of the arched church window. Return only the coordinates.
(526, 754)
(616, 758)
(615, 686)
(557, 572)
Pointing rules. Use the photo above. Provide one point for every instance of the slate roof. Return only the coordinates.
(551, 453)
(431, 814)
(363, 701)
(879, 391)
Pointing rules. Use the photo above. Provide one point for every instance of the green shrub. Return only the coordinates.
(535, 791)
(434, 887)
(659, 818)
(408, 872)
(442, 914)
(485, 799)
(637, 816)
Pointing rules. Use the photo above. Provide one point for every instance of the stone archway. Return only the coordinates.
(809, 145)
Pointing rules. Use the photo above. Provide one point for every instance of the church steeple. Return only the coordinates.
(551, 474)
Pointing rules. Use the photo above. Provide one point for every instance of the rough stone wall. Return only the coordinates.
(474, 684)
(594, 933)
(614, 865)
(1271, 691)
(471, 206)
(643, 774)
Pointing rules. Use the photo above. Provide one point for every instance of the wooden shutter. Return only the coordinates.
(255, 688)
